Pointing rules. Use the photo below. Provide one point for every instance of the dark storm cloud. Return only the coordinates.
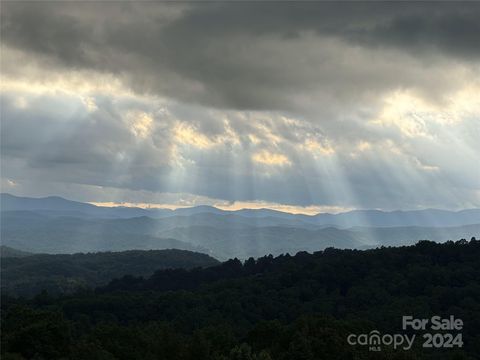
(246, 55)
(452, 27)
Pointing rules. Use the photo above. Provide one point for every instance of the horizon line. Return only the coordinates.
(236, 206)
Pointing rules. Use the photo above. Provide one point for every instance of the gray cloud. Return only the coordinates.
(253, 56)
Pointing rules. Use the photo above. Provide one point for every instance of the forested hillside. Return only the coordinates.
(288, 307)
(29, 275)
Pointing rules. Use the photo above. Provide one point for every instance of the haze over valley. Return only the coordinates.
(56, 225)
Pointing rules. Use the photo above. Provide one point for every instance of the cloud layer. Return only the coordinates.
(372, 105)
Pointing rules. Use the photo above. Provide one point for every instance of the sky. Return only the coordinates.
(297, 106)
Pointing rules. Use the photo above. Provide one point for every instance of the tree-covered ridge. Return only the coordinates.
(28, 276)
(288, 307)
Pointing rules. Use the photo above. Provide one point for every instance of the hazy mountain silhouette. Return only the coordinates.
(7, 251)
(221, 235)
(58, 206)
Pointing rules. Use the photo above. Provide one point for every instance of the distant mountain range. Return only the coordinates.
(57, 225)
(57, 206)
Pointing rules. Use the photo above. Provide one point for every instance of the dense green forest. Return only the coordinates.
(289, 307)
(59, 274)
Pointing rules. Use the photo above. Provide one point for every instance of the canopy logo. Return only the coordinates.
(445, 334)
(374, 340)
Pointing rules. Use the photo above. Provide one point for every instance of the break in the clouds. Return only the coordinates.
(304, 105)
